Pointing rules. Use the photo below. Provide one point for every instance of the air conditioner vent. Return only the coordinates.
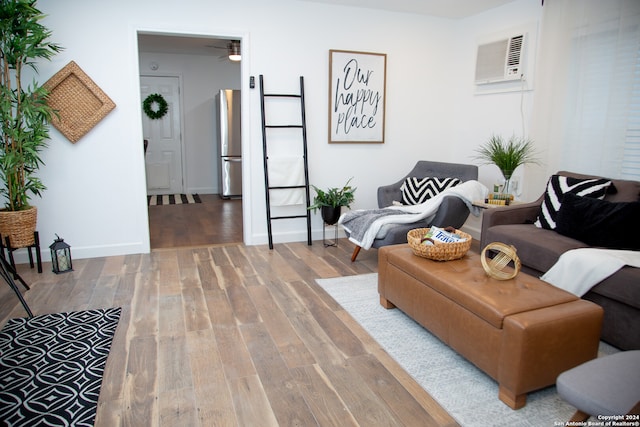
(515, 47)
(500, 60)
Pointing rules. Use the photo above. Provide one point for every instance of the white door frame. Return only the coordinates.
(183, 164)
(247, 197)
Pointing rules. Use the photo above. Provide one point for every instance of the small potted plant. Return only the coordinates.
(331, 201)
(24, 115)
(507, 155)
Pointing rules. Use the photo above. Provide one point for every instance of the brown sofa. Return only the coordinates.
(539, 249)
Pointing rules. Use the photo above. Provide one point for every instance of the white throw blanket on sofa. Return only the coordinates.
(362, 232)
(578, 270)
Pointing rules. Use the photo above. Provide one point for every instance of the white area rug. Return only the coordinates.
(469, 395)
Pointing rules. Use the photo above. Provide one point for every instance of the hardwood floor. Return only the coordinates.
(214, 221)
(230, 335)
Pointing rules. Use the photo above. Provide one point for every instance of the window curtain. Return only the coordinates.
(586, 113)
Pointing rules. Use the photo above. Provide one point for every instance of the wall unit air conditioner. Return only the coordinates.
(501, 60)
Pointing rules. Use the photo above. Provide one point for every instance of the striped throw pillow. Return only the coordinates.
(557, 187)
(419, 190)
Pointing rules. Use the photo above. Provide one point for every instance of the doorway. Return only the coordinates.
(214, 221)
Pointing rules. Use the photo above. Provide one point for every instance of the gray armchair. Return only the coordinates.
(452, 212)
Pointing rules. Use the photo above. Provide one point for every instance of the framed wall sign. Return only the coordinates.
(357, 84)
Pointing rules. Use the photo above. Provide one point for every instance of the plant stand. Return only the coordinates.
(8, 273)
(6, 244)
(326, 242)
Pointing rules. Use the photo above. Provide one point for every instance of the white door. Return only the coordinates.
(163, 159)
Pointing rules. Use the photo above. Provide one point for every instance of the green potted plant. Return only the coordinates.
(507, 155)
(24, 115)
(331, 201)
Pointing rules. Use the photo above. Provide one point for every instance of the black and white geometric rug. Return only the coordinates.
(173, 199)
(51, 367)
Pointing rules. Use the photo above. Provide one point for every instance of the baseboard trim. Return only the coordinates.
(21, 256)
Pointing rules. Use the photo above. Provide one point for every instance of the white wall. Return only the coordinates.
(202, 77)
(480, 113)
(96, 196)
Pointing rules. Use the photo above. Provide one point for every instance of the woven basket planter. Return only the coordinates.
(438, 251)
(19, 226)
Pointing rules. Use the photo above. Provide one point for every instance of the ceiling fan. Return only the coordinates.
(233, 51)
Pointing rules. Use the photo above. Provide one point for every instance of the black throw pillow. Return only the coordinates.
(599, 222)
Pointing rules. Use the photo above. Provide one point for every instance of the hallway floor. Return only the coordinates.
(214, 221)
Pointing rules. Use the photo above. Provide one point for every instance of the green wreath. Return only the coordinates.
(148, 106)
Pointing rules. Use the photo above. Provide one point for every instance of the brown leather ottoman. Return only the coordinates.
(521, 332)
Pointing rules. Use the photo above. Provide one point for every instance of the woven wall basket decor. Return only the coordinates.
(80, 103)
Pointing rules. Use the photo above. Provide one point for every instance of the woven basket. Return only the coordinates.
(438, 251)
(496, 267)
(19, 226)
(80, 102)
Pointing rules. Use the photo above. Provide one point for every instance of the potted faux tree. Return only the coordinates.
(24, 116)
(331, 201)
(507, 155)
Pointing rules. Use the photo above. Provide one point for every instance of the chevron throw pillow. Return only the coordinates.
(419, 190)
(557, 187)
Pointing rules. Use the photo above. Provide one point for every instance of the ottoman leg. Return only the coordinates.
(386, 303)
(512, 400)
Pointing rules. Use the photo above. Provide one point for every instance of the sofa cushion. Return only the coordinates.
(419, 190)
(557, 187)
(599, 222)
(537, 248)
(621, 286)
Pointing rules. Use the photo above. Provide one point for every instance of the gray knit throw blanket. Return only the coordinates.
(359, 221)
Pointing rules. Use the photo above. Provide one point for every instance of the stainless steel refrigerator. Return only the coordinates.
(229, 143)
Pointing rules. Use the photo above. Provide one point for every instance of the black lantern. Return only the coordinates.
(60, 256)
